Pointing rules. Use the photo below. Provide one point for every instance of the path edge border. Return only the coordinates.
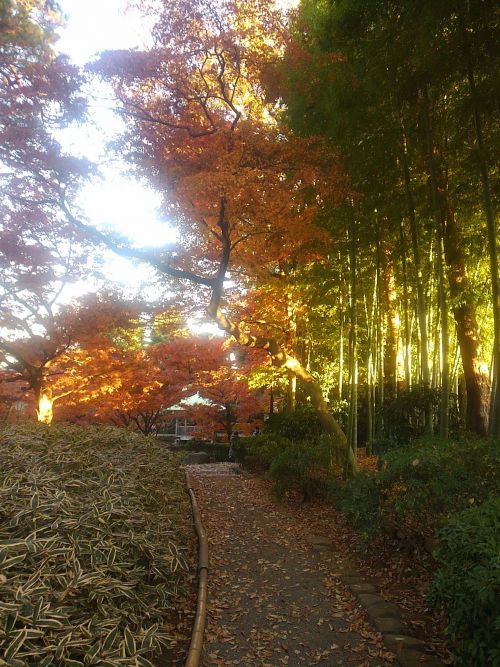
(197, 635)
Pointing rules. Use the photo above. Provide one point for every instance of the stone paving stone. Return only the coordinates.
(350, 579)
(392, 625)
(410, 658)
(383, 610)
(397, 641)
(369, 599)
(362, 588)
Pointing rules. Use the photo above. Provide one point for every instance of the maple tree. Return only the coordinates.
(245, 190)
(221, 378)
(147, 381)
(40, 93)
(47, 347)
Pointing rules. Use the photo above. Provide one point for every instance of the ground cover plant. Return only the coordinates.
(467, 583)
(419, 486)
(94, 531)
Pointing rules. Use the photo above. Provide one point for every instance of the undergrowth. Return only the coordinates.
(94, 529)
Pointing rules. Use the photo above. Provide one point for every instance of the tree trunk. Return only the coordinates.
(445, 364)
(341, 349)
(352, 428)
(392, 326)
(379, 348)
(494, 425)
(370, 393)
(421, 307)
(45, 409)
(291, 391)
(407, 341)
(476, 378)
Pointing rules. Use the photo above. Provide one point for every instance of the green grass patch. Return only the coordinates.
(95, 527)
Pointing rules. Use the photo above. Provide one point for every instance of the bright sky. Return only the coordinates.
(116, 200)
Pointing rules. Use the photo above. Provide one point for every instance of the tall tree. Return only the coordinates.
(245, 189)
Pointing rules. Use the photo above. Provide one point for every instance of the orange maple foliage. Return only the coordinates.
(71, 354)
(220, 377)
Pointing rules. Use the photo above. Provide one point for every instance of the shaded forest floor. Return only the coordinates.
(275, 600)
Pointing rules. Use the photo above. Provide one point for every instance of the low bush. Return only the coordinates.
(421, 485)
(302, 425)
(467, 583)
(404, 416)
(301, 468)
(218, 451)
(94, 530)
(258, 452)
(360, 501)
(432, 478)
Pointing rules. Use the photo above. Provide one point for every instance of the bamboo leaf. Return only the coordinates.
(144, 662)
(129, 641)
(109, 640)
(14, 647)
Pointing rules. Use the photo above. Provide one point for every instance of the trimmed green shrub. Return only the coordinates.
(421, 485)
(433, 478)
(218, 451)
(404, 415)
(301, 425)
(360, 501)
(467, 583)
(258, 452)
(301, 468)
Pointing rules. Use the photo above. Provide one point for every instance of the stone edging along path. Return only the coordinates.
(385, 616)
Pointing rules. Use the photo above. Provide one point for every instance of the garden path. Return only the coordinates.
(273, 597)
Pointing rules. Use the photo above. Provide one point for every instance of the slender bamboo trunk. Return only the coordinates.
(421, 306)
(370, 393)
(407, 341)
(352, 428)
(354, 345)
(291, 394)
(341, 348)
(380, 347)
(444, 420)
(438, 208)
(392, 325)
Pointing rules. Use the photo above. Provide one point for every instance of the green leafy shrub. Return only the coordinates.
(94, 530)
(467, 583)
(258, 452)
(218, 451)
(301, 425)
(421, 485)
(360, 501)
(404, 416)
(301, 468)
(433, 478)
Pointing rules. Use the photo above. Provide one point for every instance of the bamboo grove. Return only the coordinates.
(410, 95)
